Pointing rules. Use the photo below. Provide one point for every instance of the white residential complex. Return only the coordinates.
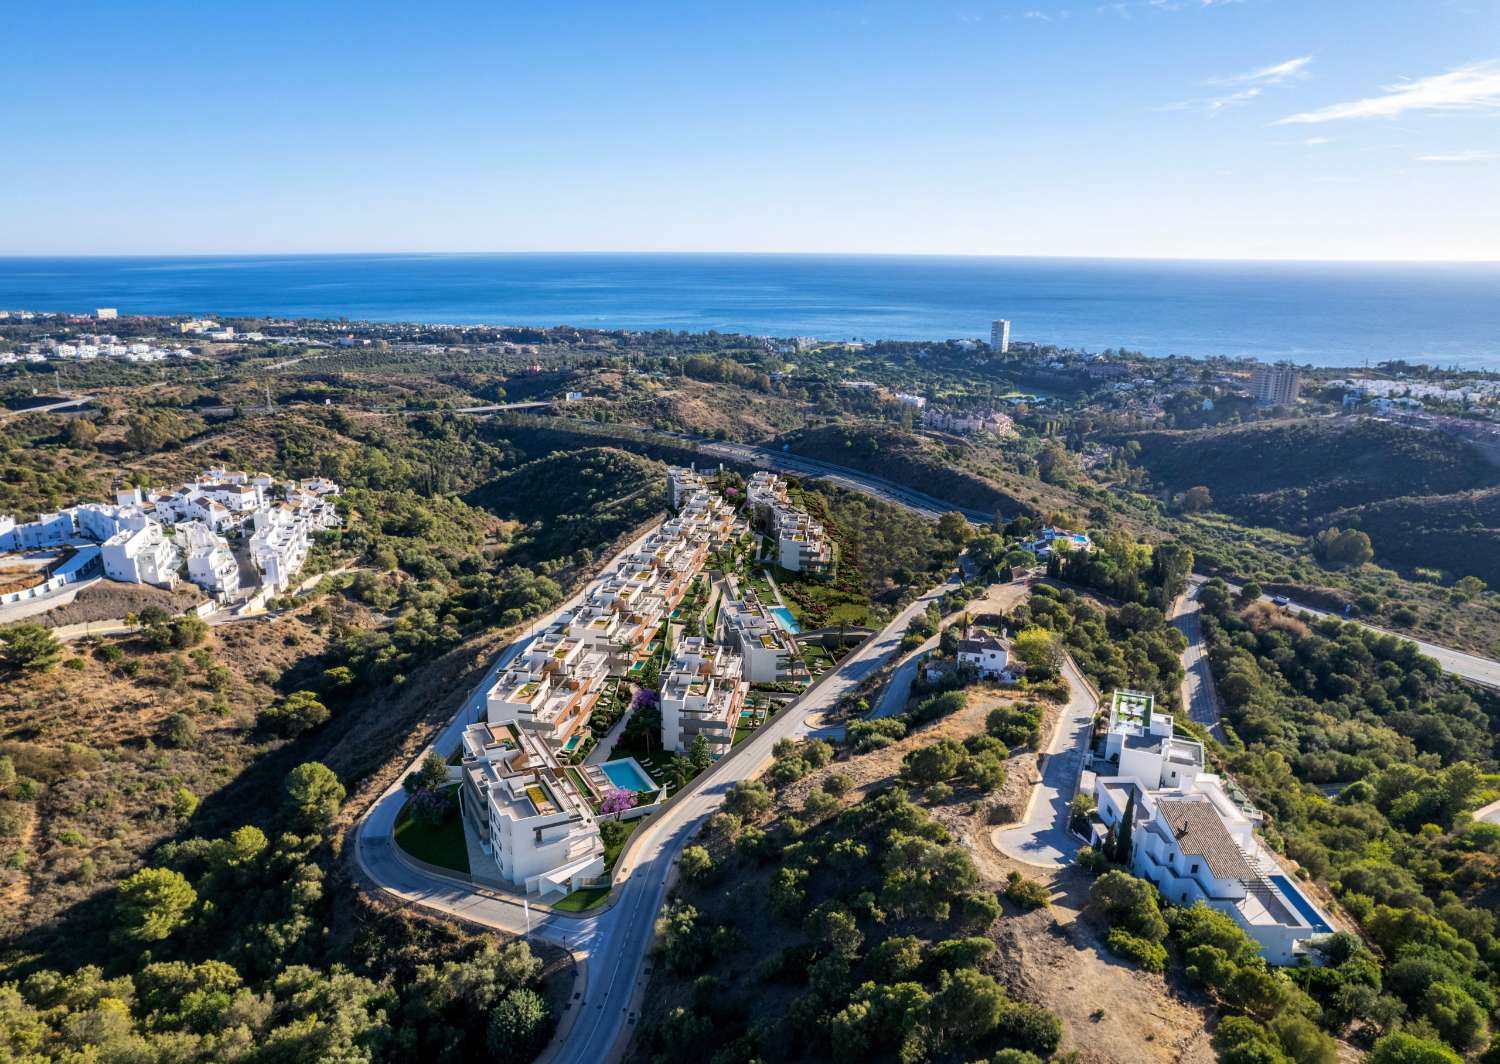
(1193, 835)
(701, 694)
(802, 546)
(533, 814)
(1275, 385)
(146, 536)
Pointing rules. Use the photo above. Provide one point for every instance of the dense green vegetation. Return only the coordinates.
(1293, 474)
(221, 951)
(835, 930)
(1368, 758)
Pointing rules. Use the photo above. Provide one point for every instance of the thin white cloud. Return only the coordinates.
(1459, 157)
(1469, 88)
(1275, 74)
(1255, 81)
(1317, 142)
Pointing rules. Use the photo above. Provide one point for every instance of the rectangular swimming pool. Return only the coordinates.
(788, 622)
(627, 774)
(1290, 892)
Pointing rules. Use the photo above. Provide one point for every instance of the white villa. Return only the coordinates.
(701, 695)
(1192, 837)
(802, 545)
(529, 816)
(1049, 539)
(986, 654)
(764, 645)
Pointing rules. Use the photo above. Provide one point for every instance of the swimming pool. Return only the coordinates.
(1290, 892)
(788, 622)
(572, 744)
(627, 774)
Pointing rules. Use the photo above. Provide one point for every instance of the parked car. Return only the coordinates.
(1282, 601)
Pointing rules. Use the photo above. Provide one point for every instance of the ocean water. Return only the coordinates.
(1324, 313)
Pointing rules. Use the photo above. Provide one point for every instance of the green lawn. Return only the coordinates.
(443, 845)
(581, 900)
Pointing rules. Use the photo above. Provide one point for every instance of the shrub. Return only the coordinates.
(153, 903)
(1027, 893)
(747, 799)
(30, 647)
(1030, 1028)
(1122, 899)
(300, 712)
(1150, 955)
(180, 731)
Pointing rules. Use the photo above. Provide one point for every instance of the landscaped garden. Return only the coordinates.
(435, 836)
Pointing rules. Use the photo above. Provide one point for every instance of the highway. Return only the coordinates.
(1468, 666)
(613, 942)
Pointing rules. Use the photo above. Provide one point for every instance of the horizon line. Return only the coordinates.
(757, 254)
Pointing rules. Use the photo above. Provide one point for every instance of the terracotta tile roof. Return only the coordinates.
(1198, 830)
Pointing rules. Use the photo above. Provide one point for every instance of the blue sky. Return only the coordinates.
(1311, 129)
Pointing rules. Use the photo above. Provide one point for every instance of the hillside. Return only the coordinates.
(1459, 534)
(1295, 474)
(920, 463)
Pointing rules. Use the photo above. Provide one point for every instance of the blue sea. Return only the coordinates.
(1320, 313)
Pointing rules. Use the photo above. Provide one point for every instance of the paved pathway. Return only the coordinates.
(1042, 837)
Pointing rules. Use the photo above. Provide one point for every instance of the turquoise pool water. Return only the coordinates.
(572, 744)
(627, 774)
(788, 622)
(1290, 892)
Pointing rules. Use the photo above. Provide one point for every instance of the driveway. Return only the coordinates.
(1042, 837)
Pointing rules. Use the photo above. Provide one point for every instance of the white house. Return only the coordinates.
(141, 556)
(278, 546)
(530, 817)
(701, 695)
(986, 654)
(1193, 836)
(210, 563)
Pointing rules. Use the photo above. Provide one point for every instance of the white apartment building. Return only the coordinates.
(1192, 835)
(278, 546)
(529, 816)
(1275, 385)
(210, 563)
(682, 482)
(550, 690)
(764, 645)
(106, 313)
(142, 555)
(802, 545)
(701, 695)
(1000, 336)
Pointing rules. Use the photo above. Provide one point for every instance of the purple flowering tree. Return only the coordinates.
(617, 801)
(644, 698)
(430, 805)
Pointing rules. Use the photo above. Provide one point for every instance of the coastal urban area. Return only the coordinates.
(391, 692)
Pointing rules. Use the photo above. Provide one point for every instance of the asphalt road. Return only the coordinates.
(1198, 692)
(1468, 666)
(1042, 837)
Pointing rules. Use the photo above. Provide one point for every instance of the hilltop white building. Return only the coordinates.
(1193, 835)
(802, 545)
(210, 563)
(142, 555)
